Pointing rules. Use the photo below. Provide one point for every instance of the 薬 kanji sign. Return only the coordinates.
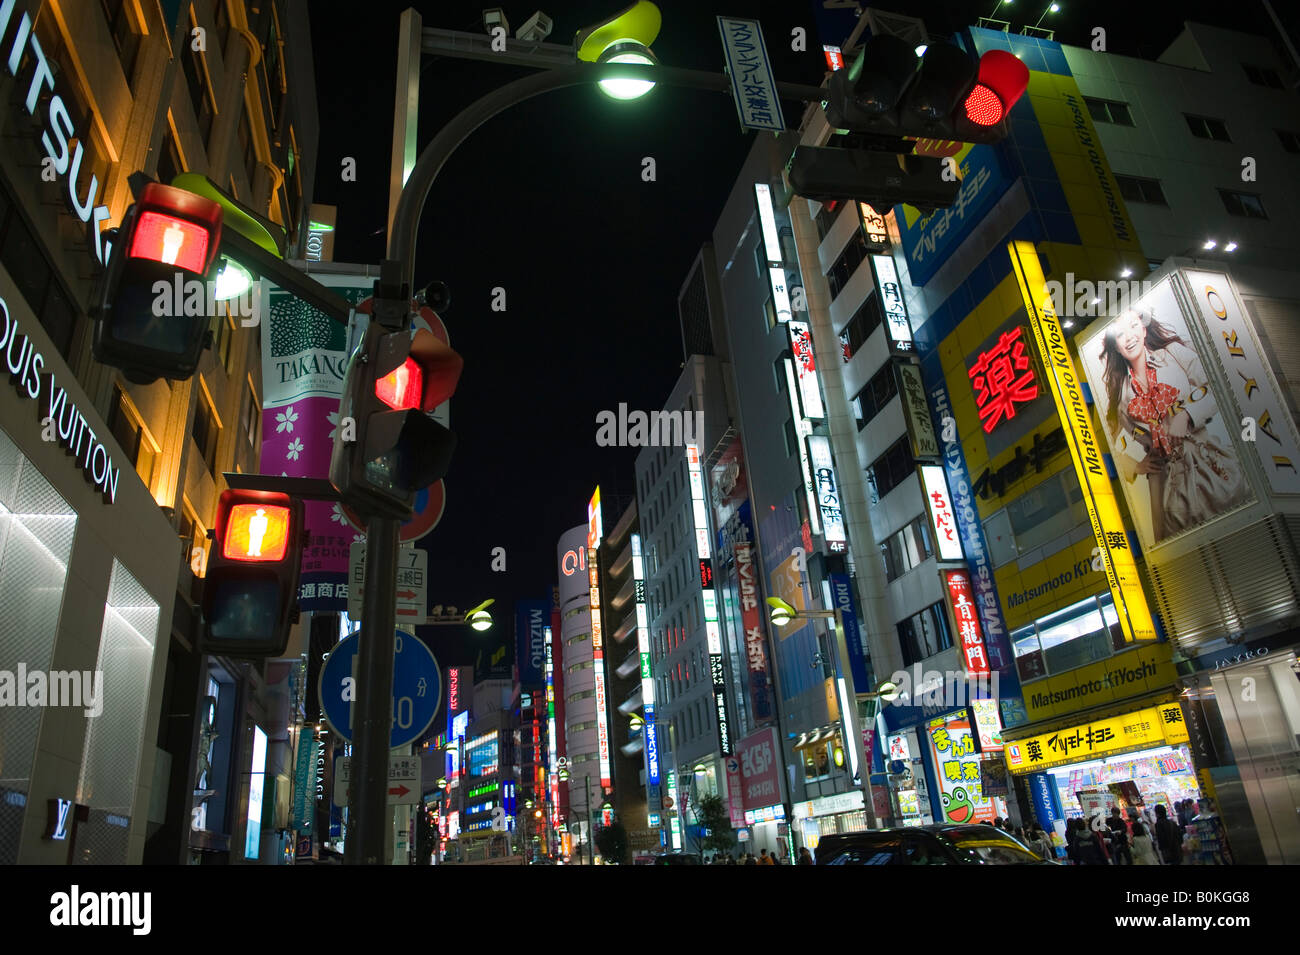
(1003, 377)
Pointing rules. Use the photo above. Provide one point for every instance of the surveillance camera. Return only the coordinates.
(437, 296)
(494, 17)
(536, 28)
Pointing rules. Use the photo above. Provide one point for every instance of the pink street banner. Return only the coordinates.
(304, 359)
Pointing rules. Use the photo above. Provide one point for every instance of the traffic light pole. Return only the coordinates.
(367, 804)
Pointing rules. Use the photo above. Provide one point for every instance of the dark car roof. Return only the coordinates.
(934, 828)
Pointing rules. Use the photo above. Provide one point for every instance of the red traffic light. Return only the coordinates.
(1002, 81)
(256, 532)
(171, 241)
(175, 227)
(402, 387)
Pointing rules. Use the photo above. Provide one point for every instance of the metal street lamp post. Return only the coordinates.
(781, 614)
(368, 803)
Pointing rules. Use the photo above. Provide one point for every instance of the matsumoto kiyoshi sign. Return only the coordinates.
(63, 143)
(60, 417)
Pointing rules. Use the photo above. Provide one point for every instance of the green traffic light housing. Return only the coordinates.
(622, 38)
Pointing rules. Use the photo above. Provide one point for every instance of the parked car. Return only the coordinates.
(677, 858)
(940, 844)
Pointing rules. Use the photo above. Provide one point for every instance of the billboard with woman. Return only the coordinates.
(1168, 433)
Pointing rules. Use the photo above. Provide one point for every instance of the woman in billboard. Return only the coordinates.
(1158, 393)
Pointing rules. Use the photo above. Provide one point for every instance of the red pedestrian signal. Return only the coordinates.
(168, 238)
(251, 588)
(392, 449)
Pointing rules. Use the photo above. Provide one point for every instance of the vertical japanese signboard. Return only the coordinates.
(752, 84)
(957, 766)
(968, 625)
(709, 599)
(595, 531)
(1099, 499)
(942, 522)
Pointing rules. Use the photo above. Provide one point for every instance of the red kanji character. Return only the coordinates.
(997, 389)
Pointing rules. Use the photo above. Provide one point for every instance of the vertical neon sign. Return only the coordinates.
(594, 533)
(712, 628)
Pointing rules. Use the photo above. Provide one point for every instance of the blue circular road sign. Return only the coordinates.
(417, 688)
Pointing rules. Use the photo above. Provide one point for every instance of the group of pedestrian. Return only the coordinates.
(1192, 834)
(746, 858)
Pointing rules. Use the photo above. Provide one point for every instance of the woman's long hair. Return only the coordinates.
(1157, 336)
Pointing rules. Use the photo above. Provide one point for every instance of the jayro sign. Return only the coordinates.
(63, 160)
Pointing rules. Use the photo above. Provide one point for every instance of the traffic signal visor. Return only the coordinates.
(1002, 80)
(252, 580)
(175, 227)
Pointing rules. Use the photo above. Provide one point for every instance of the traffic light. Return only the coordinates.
(881, 179)
(252, 580)
(943, 94)
(393, 449)
(152, 317)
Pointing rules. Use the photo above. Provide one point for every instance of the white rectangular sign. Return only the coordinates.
(891, 302)
(753, 86)
(805, 366)
(828, 491)
(404, 780)
(939, 506)
(412, 583)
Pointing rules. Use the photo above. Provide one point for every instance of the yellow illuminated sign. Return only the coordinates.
(1103, 510)
(1137, 672)
(1156, 726)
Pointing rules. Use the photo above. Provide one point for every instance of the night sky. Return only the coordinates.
(547, 202)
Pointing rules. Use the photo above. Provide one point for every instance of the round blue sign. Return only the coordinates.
(417, 688)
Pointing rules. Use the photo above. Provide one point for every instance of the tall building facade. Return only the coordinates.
(226, 90)
(1104, 601)
(580, 725)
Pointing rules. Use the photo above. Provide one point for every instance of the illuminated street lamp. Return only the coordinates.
(1051, 8)
(479, 618)
(623, 38)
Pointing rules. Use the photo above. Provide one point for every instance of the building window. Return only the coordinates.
(769, 310)
(206, 431)
(129, 431)
(778, 372)
(891, 469)
(1263, 76)
(249, 147)
(170, 164)
(875, 394)
(199, 85)
(791, 438)
(1137, 189)
(1246, 204)
(1203, 127)
(848, 262)
(908, 548)
(1290, 141)
(582, 695)
(861, 326)
(25, 260)
(577, 638)
(251, 408)
(826, 216)
(225, 336)
(924, 634)
(125, 38)
(1109, 111)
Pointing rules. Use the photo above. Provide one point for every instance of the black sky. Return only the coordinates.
(547, 202)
